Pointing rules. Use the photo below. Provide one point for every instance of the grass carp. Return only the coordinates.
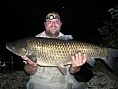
(57, 52)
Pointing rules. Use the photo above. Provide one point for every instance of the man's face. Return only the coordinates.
(52, 27)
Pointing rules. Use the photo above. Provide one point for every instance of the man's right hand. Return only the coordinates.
(33, 64)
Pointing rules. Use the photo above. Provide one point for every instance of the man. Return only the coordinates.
(50, 77)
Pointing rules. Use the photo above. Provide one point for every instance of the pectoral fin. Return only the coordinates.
(62, 69)
(32, 57)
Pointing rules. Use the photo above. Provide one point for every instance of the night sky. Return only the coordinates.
(24, 18)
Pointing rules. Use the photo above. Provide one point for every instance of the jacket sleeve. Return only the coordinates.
(85, 74)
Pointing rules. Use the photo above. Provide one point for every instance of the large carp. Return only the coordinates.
(57, 52)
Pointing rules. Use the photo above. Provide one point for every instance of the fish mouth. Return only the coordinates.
(11, 48)
(8, 46)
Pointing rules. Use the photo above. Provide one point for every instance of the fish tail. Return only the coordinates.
(112, 53)
(91, 62)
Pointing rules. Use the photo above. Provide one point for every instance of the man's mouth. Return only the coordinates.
(53, 28)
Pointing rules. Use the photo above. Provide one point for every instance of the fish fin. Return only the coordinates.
(66, 37)
(32, 58)
(110, 62)
(62, 69)
(91, 62)
(112, 53)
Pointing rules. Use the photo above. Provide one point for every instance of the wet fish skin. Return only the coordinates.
(56, 52)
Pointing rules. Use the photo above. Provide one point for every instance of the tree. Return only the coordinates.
(109, 32)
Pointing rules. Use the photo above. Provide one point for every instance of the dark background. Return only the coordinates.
(24, 18)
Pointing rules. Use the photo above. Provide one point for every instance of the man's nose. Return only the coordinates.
(53, 23)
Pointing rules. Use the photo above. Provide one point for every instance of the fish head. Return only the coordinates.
(18, 47)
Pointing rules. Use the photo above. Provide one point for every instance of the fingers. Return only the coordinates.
(73, 59)
(25, 58)
(28, 60)
(79, 59)
(85, 58)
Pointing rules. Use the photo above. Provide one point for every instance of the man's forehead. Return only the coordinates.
(52, 19)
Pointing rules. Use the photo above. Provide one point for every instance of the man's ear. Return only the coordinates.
(61, 23)
(44, 23)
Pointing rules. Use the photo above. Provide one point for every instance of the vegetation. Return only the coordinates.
(109, 32)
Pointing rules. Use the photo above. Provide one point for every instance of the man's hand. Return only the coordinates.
(30, 67)
(77, 61)
(33, 64)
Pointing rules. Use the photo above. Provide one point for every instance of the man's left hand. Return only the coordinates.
(77, 61)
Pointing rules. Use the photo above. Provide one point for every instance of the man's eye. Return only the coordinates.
(49, 21)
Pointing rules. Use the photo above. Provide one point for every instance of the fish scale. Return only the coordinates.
(58, 52)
